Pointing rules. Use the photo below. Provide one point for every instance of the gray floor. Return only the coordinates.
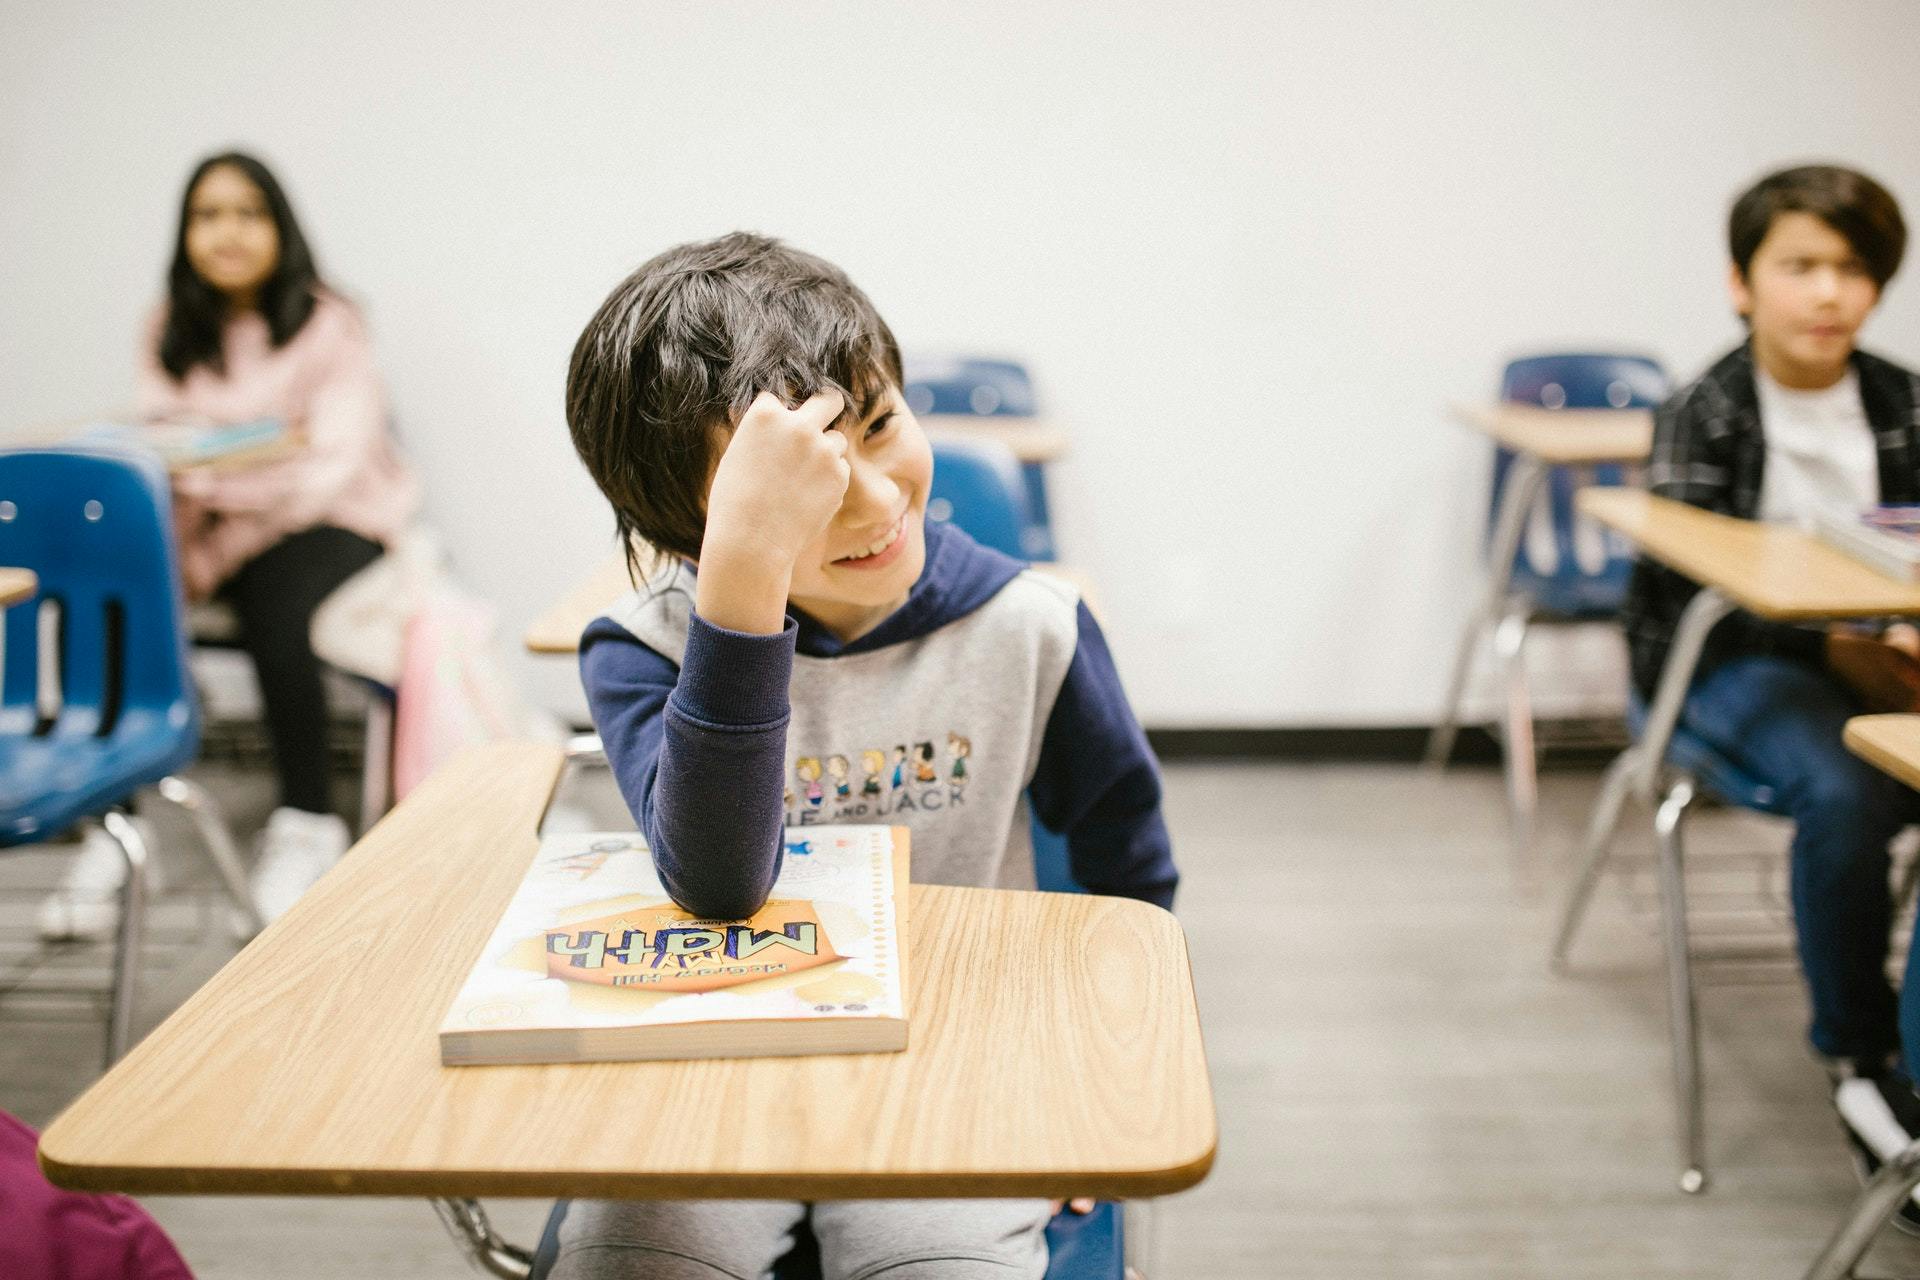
(1403, 1088)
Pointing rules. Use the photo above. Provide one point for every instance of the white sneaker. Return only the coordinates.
(86, 906)
(296, 849)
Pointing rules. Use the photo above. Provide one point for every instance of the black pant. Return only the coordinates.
(275, 595)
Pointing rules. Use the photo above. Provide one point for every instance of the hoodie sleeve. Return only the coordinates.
(698, 751)
(1097, 781)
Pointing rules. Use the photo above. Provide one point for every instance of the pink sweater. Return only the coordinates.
(324, 386)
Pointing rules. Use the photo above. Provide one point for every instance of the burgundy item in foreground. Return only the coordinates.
(50, 1234)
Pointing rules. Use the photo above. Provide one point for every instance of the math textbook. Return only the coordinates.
(593, 962)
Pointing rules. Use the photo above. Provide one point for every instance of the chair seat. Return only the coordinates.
(49, 783)
(1723, 778)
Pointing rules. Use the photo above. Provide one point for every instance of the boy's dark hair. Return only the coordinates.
(1845, 199)
(684, 344)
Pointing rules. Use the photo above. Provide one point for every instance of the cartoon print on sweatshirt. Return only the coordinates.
(909, 779)
(807, 769)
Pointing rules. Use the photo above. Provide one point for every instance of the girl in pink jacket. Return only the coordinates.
(249, 331)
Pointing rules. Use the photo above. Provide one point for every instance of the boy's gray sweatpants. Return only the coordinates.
(859, 1239)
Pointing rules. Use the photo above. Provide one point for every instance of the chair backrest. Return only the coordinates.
(977, 485)
(96, 528)
(1566, 564)
(962, 385)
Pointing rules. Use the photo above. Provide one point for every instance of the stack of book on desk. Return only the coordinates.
(593, 962)
(1884, 538)
(186, 444)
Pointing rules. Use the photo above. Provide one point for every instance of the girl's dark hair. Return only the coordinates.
(682, 346)
(1845, 199)
(197, 312)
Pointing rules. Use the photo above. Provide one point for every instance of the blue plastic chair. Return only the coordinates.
(1566, 587)
(987, 388)
(95, 528)
(977, 485)
(1692, 767)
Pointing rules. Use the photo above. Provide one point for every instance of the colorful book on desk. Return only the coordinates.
(186, 444)
(593, 962)
(1883, 538)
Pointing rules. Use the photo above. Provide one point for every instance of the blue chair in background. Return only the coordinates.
(977, 486)
(95, 698)
(973, 388)
(1563, 581)
(1547, 564)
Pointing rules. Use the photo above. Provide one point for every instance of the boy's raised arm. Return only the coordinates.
(698, 751)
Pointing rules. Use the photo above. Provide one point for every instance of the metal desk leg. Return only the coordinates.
(1705, 609)
(1876, 1203)
(1516, 738)
(1516, 504)
(1682, 1014)
(467, 1223)
(1601, 825)
(133, 919)
(217, 836)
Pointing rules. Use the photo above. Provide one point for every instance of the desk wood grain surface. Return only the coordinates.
(1890, 743)
(17, 585)
(1055, 1051)
(1564, 437)
(1777, 572)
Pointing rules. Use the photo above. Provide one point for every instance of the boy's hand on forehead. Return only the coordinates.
(780, 481)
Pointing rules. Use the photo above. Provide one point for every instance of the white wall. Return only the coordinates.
(1251, 250)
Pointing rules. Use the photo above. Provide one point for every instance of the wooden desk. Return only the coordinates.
(557, 631)
(1056, 1051)
(17, 585)
(1564, 437)
(1032, 440)
(1891, 743)
(1777, 572)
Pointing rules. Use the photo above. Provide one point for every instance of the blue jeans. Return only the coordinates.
(1780, 721)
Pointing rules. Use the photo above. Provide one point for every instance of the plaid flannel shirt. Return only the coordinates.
(1709, 450)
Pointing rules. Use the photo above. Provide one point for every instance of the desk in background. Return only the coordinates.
(1055, 1051)
(1777, 572)
(1539, 439)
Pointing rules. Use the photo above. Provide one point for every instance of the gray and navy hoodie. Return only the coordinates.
(987, 698)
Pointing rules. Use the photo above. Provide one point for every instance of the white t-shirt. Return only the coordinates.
(1820, 450)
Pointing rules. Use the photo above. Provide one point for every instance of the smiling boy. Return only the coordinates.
(1796, 420)
(740, 405)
